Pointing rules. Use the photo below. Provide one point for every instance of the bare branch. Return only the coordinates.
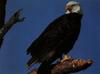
(71, 66)
(68, 66)
(15, 18)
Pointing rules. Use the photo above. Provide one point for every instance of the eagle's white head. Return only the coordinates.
(73, 7)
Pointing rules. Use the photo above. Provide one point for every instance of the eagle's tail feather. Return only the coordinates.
(31, 61)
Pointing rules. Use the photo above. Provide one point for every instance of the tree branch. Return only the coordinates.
(68, 66)
(15, 18)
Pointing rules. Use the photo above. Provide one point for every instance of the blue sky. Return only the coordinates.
(39, 14)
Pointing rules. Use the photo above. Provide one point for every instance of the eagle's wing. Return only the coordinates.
(58, 36)
(51, 36)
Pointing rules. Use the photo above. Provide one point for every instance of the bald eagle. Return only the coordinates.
(58, 38)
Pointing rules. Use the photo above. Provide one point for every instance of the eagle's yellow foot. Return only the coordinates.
(65, 57)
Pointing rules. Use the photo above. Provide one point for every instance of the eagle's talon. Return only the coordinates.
(65, 57)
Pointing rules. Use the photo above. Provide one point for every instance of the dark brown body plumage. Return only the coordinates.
(58, 38)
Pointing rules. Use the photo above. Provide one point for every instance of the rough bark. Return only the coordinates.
(68, 66)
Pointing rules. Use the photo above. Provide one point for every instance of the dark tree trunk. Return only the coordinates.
(2, 12)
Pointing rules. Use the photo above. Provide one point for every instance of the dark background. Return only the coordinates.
(39, 14)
